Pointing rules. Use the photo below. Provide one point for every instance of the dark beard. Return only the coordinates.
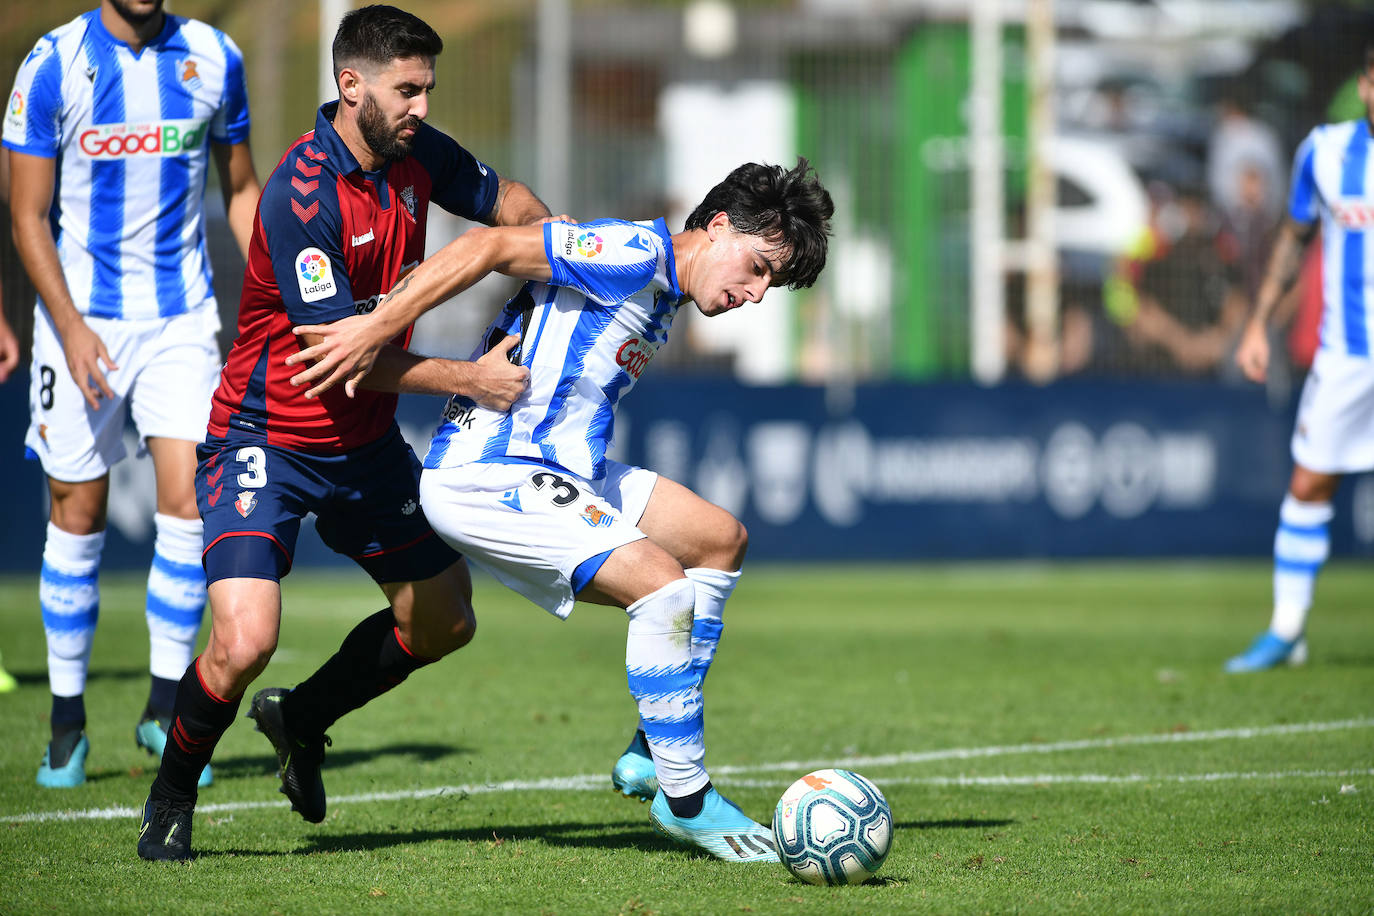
(135, 19)
(380, 138)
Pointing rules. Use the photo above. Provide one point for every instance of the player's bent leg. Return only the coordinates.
(70, 601)
(435, 616)
(710, 543)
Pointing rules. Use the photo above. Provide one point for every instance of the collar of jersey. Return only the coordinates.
(170, 25)
(328, 141)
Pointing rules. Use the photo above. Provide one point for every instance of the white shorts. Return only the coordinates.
(1334, 432)
(531, 526)
(168, 369)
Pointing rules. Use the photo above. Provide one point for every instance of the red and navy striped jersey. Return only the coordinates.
(329, 241)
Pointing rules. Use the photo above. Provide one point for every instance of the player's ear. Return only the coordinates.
(717, 224)
(350, 85)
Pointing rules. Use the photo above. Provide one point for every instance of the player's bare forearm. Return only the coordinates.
(1281, 273)
(239, 183)
(517, 205)
(492, 381)
(346, 349)
(32, 182)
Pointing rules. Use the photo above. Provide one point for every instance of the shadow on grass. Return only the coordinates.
(96, 675)
(266, 762)
(624, 835)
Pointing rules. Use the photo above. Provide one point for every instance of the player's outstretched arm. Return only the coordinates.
(344, 351)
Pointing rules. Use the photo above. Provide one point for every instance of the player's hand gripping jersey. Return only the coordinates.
(329, 241)
(130, 133)
(1332, 178)
(586, 336)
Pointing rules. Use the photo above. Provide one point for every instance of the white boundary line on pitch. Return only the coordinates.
(597, 782)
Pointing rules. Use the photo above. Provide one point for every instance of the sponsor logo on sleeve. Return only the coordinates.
(314, 275)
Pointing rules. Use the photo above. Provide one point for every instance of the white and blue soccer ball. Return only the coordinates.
(832, 827)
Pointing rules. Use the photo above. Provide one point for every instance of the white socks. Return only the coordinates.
(176, 595)
(69, 596)
(666, 685)
(1301, 545)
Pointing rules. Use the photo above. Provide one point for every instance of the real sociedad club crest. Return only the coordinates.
(246, 502)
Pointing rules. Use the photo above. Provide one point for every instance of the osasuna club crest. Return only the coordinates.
(408, 199)
(246, 502)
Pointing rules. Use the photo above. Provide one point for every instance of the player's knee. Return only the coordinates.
(461, 629)
(728, 544)
(438, 634)
(240, 657)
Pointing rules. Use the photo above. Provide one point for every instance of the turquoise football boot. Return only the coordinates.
(1268, 651)
(71, 772)
(634, 775)
(152, 737)
(720, 828)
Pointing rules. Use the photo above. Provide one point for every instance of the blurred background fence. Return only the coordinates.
(1163, 128)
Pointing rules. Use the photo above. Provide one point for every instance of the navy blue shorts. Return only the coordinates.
(252, 498)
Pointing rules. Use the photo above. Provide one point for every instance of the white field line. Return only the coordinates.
(598, 781)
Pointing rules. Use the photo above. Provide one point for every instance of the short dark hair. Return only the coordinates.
(379, 34)
(787, 207)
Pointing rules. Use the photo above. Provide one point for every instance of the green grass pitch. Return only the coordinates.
(1051, 738)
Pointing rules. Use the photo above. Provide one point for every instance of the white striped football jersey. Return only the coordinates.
(130, 134)
(1333, 180)
(586, 337)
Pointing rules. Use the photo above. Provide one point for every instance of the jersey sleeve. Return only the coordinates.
(302, 229)
(609, 260)
(1303, 197)
(462, 184)
(230, 124)
(33, 115)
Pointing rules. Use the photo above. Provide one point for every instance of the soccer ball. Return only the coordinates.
(832, 827)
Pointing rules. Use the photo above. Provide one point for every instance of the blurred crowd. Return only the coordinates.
(1173, 303)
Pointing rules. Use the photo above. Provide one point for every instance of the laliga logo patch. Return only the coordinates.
(246, 502)
(314, 275)
(408, 507)
(589, 244)
(17, 104)
(596, 518)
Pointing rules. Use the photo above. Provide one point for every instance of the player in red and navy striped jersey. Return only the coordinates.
(340, 223)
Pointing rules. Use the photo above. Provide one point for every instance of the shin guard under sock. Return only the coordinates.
(198, 720)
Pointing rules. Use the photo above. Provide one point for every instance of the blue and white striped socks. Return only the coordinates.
(176, 599)
(69, 596)
(1301, 545)
(713, 589)
(666, 685)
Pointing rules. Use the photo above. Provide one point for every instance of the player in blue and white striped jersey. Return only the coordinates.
(529, 492)
(110, 129)
(1333, 185)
